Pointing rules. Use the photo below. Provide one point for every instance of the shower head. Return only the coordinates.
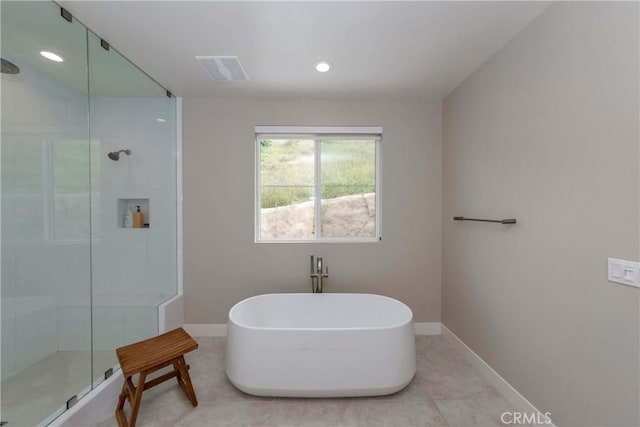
(9, 67)
(115, 155)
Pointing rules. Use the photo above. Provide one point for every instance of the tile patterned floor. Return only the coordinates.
(446, 391)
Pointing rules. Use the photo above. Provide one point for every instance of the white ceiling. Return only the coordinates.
(31, 26)
(379, 49)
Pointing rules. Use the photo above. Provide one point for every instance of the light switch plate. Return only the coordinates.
(624, 272)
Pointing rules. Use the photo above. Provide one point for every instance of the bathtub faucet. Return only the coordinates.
(317, 276)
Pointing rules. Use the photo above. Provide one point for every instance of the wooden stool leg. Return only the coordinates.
(122, 420)
(182, 375)
(136, 399)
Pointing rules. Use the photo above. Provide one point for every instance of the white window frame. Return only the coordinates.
(316, 132)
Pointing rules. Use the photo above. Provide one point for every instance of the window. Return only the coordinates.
(317, 184)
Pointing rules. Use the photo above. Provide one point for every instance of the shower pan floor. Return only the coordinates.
(38, 394)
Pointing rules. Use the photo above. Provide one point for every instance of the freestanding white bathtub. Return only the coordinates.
(320, 345)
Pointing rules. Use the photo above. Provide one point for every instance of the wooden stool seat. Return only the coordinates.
(148, 356)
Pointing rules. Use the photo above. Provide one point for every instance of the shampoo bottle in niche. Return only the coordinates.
(128, 219)
(138, 218)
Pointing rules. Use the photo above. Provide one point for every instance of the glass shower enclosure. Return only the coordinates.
(86, 138)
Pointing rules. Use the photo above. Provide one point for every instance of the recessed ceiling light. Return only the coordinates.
(51, 56)
(322, 66)
(159, 120)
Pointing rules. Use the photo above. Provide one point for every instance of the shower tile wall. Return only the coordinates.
(40, 269)
(140, 261)
(134, 269)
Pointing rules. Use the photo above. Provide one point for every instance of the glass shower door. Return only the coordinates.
(134, 165)
(46, 276)
(86, 137)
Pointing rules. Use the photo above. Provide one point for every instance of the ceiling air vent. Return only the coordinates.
(223, 68)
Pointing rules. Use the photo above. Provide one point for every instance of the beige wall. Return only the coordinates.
(547, 132)
(223, 264)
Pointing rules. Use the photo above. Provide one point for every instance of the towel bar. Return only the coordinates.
(501, 221)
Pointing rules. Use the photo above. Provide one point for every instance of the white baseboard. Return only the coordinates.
(488, 373)
(427, 328)
(220, 329)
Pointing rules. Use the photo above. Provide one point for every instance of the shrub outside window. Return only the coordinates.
(317, 184)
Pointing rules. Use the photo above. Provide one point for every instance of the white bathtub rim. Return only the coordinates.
(233, 321)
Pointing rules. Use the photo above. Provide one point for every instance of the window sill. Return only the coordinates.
(326, 240)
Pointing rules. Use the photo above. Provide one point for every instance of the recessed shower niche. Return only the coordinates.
(130, 206)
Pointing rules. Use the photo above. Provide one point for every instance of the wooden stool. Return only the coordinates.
(148, 356)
